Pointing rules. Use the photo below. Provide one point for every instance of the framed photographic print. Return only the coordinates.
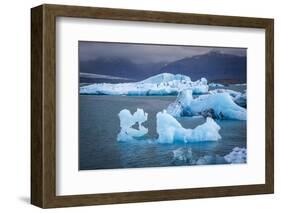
(136, 106)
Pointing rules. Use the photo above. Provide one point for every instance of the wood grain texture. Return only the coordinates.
(36, 106)
(43, 105)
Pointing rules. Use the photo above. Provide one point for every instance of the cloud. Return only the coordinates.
(144, 53)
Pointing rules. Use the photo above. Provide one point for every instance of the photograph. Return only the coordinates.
(161, 105)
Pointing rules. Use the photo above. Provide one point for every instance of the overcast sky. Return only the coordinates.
(145, 53)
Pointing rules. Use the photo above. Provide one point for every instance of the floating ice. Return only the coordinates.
(215, 105)
(244, 84)
(182, 156)
(170, 130)
(238, 155)
(215, 85)
(232, 93)
(165, 77)
(161, 84)
(241, 99)
(238, 97)
(127, 120)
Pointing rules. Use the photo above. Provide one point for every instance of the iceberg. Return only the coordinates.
(127, 120)
(215, 85)
(166, 77)
(238, 155)
(241, 99)
(238, 97)
(232, 93)
(215, 105)
(161, 84)
(170, 130)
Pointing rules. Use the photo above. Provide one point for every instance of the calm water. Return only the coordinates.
(99, 126)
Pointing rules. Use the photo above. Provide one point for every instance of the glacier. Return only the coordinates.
(215, 105)
(161, 84)
(127, 120)
(170, 130)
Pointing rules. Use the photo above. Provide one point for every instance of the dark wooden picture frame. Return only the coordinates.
(43, 105)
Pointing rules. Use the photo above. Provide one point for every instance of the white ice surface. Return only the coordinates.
(170, 130)
(161, 84)
(215, 85)
(127, 120)
(220, 104)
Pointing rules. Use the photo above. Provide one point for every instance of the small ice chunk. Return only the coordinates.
(127, 120)
(237, 155)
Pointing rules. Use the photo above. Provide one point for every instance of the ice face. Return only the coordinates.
(238, 155)
(127, 120)
(162, 84)
(216, 105)
(170, 130)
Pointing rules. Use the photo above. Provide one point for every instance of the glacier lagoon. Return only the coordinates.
(100, 125)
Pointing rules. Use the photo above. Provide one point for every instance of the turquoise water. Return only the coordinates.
(99, 126)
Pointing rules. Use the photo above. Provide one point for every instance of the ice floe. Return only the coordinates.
(161, 84)
(215, 105)
(232, 93)
(183, 156)
(238, 155)
(215, 85)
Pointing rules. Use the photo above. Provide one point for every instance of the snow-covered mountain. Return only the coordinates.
(161, 84)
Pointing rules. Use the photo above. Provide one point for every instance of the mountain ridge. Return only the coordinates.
(215, 66)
